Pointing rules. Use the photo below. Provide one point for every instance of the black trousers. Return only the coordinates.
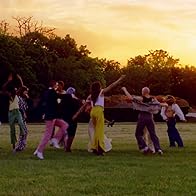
(145, 119)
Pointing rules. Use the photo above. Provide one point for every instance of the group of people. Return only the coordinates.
(145, 133)
(61, 109)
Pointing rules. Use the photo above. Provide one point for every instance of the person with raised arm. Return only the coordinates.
(97, 114)
(169, 114)
(145, 119)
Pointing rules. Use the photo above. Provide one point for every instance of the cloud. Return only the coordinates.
(117, 29)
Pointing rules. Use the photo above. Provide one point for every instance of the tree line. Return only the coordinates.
(38, 55)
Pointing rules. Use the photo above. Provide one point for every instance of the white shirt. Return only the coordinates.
(14, 104)
(176, 109)
(100, 100)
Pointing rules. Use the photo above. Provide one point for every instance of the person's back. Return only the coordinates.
(68, 106)
(50, 104)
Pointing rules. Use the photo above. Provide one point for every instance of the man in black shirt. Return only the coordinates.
(68, 106)
(51, 118)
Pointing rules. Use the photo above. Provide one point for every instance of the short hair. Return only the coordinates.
(146, 90)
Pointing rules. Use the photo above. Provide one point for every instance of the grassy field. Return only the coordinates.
(123, 171)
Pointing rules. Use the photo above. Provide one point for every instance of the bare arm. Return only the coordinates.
(82, 108)
(108, 88)
(178, 112)
(163, 113)
(127, 93)
(79, 111)
(20, 79)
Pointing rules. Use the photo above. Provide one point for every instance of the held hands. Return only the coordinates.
(164, 104)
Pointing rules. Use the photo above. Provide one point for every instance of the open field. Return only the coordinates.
(123, 171)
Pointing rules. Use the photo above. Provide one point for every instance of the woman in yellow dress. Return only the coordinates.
(97, 114)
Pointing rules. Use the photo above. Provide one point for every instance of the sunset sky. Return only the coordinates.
(117, 29)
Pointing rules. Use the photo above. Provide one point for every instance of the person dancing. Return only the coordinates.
(14, 115)
(51, 118)
(22, 96)
(145, 119)
(97, 114)
(169, 115)
(86, 107)
(68, 105)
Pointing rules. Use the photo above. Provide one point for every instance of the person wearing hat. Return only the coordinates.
(169, 115)
(74, 106)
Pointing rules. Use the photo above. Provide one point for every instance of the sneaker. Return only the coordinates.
(160, 152)
(55, 143)
(50, 143)
(39, 155)
(145, 150)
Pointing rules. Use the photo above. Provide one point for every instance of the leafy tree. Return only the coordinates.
(111, 71)
(12, 58)
(153, 70)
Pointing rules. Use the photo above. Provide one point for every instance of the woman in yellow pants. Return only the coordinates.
(97, 115)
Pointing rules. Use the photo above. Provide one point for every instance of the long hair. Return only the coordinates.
(95, 91)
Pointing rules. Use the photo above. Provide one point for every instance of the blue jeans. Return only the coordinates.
(173, 133)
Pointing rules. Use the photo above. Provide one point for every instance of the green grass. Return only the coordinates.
(123, 171)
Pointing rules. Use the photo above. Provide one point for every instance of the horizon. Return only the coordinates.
(116, 29)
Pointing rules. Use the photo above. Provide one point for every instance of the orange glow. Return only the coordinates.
(117, 29)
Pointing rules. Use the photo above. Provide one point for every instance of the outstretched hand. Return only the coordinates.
(122, 77)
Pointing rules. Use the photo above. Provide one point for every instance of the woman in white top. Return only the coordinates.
(97, 115)
(168, 114)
